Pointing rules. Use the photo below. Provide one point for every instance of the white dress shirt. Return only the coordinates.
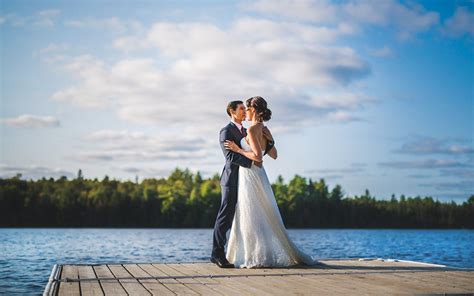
(239, 126)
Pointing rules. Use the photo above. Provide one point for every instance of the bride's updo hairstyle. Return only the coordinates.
(260, 105)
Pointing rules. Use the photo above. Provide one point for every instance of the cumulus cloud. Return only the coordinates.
(408, 19)
(201, 66)
(31, 121)
(315, 11)
(460, 24)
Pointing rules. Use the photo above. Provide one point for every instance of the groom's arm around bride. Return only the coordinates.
(226, 134)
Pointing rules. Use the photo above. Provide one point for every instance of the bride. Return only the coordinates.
(258, 237)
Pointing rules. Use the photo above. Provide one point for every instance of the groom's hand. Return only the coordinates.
(259, 164)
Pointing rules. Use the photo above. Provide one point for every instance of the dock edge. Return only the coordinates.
(52, 284)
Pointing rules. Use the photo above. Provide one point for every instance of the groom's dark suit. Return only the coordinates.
(229, 180)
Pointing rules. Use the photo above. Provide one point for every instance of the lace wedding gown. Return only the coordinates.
(258, 237)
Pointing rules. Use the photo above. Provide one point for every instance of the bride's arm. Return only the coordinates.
(273, 153)
(254, 145)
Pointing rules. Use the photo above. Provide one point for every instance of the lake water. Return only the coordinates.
(28, 254)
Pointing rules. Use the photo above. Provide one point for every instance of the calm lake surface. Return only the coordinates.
(28, 254)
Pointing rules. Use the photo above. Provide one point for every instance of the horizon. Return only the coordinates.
(381, 101)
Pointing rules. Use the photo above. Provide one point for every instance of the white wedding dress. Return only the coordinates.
(258, 237)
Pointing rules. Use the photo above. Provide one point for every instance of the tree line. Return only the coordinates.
(186, 199)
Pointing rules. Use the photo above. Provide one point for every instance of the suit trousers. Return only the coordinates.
(224, 219)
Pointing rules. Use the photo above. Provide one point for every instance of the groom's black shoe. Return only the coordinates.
(221, 261)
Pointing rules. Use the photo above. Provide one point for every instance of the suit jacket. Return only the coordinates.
(230, 172)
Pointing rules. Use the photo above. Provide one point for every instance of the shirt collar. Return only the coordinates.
(239, 126)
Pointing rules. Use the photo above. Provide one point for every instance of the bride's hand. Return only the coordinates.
(267, 134)
(230, 145)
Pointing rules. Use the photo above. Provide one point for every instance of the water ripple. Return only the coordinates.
(29, 254)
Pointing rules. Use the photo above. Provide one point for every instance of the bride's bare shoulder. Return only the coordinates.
(256, 128)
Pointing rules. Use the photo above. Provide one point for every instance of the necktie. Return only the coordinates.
(243, 132)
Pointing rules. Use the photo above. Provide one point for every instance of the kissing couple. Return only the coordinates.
(258, 237)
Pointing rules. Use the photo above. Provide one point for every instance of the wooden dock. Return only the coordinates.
(336, 276)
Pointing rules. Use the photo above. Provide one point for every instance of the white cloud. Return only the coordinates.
(461, 23)
(49, 13)
(54, 47)
(343, 116)
(382, 52)
(42, 18)
(111, 135)
(293, 31)
(200, 66)
(422, 145)
(343, 100)
(53, 53)
(178, 77)
(408, 19)
(314, 11)
(46, 18)
(31, 121)
(110, 23)
(130, 146)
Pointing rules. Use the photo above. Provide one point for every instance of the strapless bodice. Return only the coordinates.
(245, 145)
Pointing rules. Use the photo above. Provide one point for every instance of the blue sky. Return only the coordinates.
(364, 94)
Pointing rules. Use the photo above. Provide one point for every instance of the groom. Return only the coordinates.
(234, 131)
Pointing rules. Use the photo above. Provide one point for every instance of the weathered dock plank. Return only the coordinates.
(130, 284)
(171, 283)
(69, 288)
(343, 276)
(89, 287)
(152, 285)
(110, 285)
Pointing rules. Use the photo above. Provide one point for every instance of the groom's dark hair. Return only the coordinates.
(233, 105)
